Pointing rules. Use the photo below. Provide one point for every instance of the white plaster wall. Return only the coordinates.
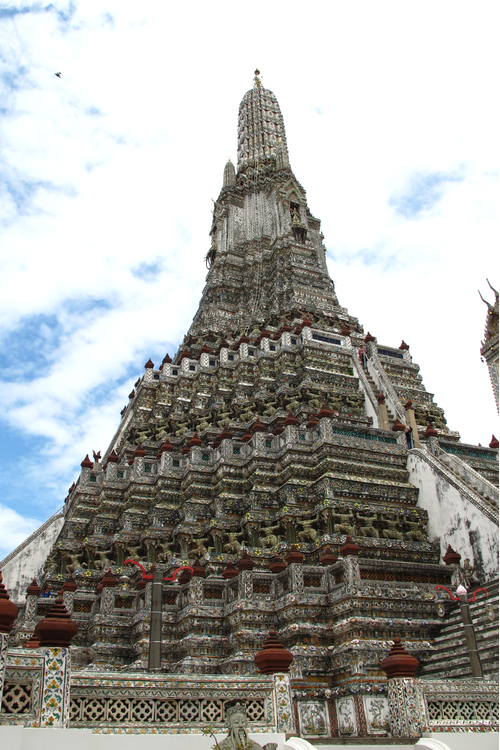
(453, 519)
(459, 740)
(27, 738)
(470, 476)
(27, 562)
(434, 741)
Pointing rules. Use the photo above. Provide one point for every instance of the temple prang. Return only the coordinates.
(293, 463)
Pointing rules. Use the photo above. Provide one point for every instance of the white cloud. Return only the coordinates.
(14, 529)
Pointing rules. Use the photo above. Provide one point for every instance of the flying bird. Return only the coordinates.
(58, 75)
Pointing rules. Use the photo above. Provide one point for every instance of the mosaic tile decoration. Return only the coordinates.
(56, 688)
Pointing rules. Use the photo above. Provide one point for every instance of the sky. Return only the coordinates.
(108, 172)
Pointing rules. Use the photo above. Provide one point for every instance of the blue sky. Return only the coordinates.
(107, 176)
(422, 193)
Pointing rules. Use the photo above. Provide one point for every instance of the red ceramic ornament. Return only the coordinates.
(398, 662)
(258, 426)
(33, 589)
(198, 569)
(430, 431)
(273, 657)
(277, 565)
(230, 571)
(56, 629)
(324, 413)
(245, 562)
(294, 556)
(328, 557)
(451, 557)
(349, 547)
(8, 610)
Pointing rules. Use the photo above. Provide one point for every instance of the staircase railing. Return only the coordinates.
(365, 382)
(385, 384)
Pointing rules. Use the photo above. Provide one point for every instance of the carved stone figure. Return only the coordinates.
(469, 572)
(413, 531)
(198, 549)
(392, 528)
(367, 527)
(345, 526)
(233, 544)
(269, 538)
(308, 533)
(237, 738)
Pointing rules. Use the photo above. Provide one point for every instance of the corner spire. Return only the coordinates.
(229, 174)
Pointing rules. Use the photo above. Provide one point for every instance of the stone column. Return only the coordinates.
(3, 661)
(274, 659)
(296, 578)
(69, 587)
(259, 441)
(154, 660)
(148, 374)
(110, 467)
(32, 594)
(411, 422)
(245, 585)
(406, 699)
(325, 428)
(291, 424)
(383, 416)
(284, 707)
(87, 468)
(406, 707)
(138, 463)
(352, 576)
(306, 331)
(108, 582)
(166, 370)
(196, 591)
(56, 687)
(470, 636)
(166, 461)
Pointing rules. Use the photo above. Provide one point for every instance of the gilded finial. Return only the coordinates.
(256, 81)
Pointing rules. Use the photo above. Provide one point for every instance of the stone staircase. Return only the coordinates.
(451, 660)
(376, 392)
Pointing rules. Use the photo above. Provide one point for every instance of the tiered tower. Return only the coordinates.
(271, 456)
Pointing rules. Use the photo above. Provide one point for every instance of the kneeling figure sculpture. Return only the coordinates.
(237, 738)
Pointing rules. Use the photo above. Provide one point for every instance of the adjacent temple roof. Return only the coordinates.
(491, 327)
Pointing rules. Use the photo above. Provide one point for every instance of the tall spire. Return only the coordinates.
(266, 256)
(260, 126)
